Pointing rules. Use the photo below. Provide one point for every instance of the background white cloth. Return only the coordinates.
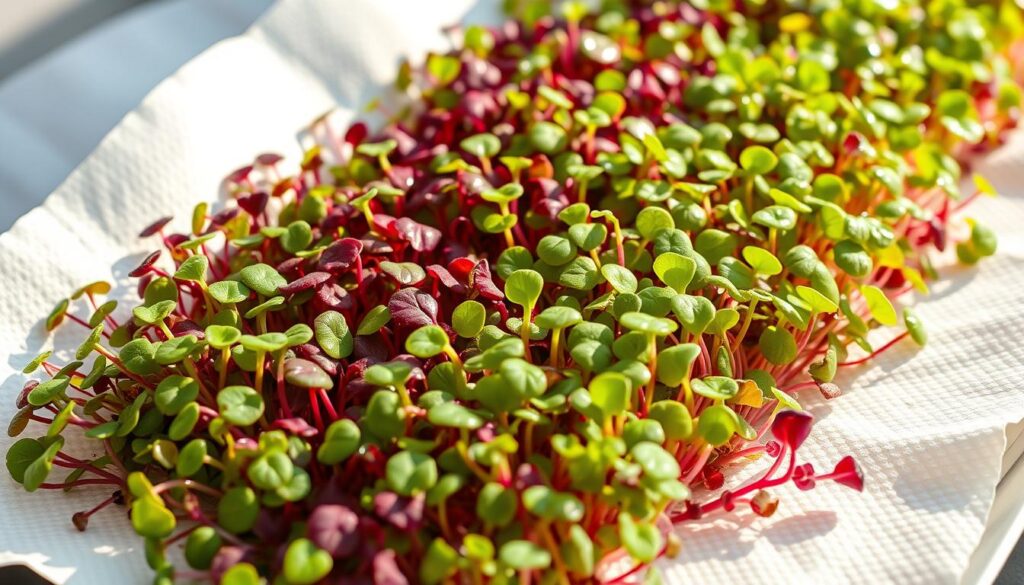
(929, 431)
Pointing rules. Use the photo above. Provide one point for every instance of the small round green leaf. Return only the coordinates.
(778, 345)
(240, 405)
(523, 287)
(621, 278)
(427, 341)
(879, 305)
(305, 563)
(174, 392)
(450, 414)
(262, 278)
(758, 160)
(333, 335)
(340, 441)
(675, 270)
(408, 473)
(151, 518)
(524, 555)
(238, 509)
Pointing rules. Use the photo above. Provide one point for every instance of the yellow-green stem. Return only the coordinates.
(555, 358)
(524, 333)
(746, 325)
(403, 393)
(260, 358)
(652, 353)
(222, 367)
(463, 451)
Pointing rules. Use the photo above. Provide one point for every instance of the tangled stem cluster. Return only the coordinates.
(533, 322)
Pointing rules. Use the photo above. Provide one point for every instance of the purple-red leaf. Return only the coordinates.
(240, 175)
(296, 426)
(340, 255)
(268, 159)
(404, 514)
(312, 353)
(484, 284)
(334, 297)
(371, 347)
(146, 265)
(188, 327)
(305, 283)
(289, 266)
(441, 274)
(377, 247)
(22, 400)
(335, 529)
(254, 203)
(223, 216)
(385, 569)
(422, 238)
(228, 556)
(356, 133)
(411, 308)
(155, 227)
(306, 374)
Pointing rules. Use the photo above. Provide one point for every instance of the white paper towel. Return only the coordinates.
(54, 112)
(926, 425)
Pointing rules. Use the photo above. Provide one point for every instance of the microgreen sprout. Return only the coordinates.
(524, 328)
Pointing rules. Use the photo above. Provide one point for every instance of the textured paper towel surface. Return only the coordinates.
(926, 425)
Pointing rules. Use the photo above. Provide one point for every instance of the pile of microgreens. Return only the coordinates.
(526, 327)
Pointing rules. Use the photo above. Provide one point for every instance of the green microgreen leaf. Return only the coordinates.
(240, 405)
(643, 541)
(674, 418)
(229, 291)
(523, 287)
(305, 563)
(267, 342)
(620, 278)
(151, 518)
(174, 392)
(333, 335)
(762, 261)
(610, 392)
(261, 278)
(427, 341)
(558, 318)
(468, 319)
(340, 441)
(879, 305)
(449, 414)
(375, 319)
(675, 270)
(193, 268)
(776, 217)
(915, 326)
(481, 145)
(409, 472)
(524, 555)
(222, 336)
(778, 345)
